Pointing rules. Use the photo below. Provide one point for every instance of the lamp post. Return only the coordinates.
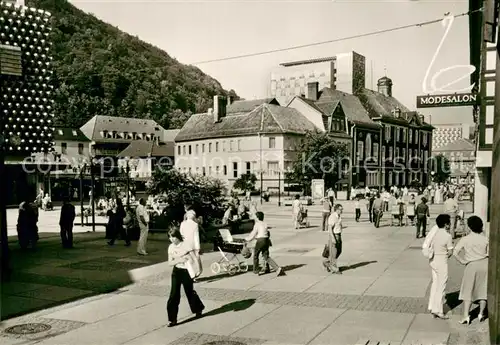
(127, 171)
(82, 169)
(279, 188)
(92, 182)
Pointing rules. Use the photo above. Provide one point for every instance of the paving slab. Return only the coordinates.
(399, 287)
(243, 281)
(426, 338)
(288, 283)
(56, 293)
(291, 325)
(104, 308)
(342, 285)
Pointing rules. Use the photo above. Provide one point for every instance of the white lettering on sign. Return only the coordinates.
(447, 23)
(449, 99)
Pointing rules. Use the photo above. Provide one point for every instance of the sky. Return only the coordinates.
(196, 31)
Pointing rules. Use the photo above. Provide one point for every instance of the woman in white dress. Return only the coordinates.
(474, 287)
(438, 197)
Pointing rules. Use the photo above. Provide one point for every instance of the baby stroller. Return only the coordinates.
(229, 249)
(302, 219)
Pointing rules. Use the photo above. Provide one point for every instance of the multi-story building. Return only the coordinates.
(343, 72)
(390, 144)
(445, 134)
(483, 58)
(462, 157)
(256, 136)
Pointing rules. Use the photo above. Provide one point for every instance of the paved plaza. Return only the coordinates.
(380, 297)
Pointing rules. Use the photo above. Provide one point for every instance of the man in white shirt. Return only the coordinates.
(143, 219)
(191, 237)
(334, 240)
(261, 233)
(451, 208)
(442, 245)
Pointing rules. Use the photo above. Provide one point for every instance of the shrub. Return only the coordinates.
(207, 195)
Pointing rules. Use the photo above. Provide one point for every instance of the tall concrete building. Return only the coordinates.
(343, 72)
(445, 134)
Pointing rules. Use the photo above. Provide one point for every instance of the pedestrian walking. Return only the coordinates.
(180, 258)
(66, 222)
(410, 209)
(262, 236)
(371, 199)
(357, 208)
(331, 196)
(118, 227)
(441, 248)
(143, 219)
(475, 247)
(296, 211)
(451, 208)
(422, 215)
(377, 208)
(327, 209)
(190, 232)
(334, 240)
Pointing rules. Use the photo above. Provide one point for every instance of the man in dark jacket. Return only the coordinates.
(422, 213)
(66, 222)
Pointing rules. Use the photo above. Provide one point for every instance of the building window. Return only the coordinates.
(235, 169)
(217, 146)
(184, 149)
(404, 135)
(196, 149)
(249, 167)
(217, 170)
(202, 148)
(272, 143)
(397, 153)
(239, 143)
(80, 149)
(179, 150)
(390, 153)
(273, 168)
(388, 132)
(210, 171)
(224, 146)
(384, 154)
(204, 171)
(225, 170)
(210, 147)
(424, 138)
(404, 154)
(64, 148)
(230, 145)
(189, 149)
(360, 150)
(375, 151)
(368, 146)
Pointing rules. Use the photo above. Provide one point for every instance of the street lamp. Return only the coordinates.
(92, 182)
(81, 169)
(127, 171)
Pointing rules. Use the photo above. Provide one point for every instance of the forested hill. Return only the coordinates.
(101, 70)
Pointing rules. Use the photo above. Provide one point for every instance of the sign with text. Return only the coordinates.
(449, 100)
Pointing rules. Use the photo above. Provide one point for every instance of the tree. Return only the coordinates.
(246, 182)
(207, 195)
(320, 157)
(440, 168)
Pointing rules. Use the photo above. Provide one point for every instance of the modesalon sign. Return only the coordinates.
(450, 100)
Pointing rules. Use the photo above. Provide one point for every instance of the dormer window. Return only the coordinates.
(74, 133)
(104, 134)
(130, 135)
(143, 136)
(134, 135)
(60, 132)
(114, 135)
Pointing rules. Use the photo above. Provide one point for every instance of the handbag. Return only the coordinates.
(326, 252)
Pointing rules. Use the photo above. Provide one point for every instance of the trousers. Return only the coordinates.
(180, 277)
(439, 269)
(325, 220)
(335, 245)
(262, 247)
(143, 239)
(67, 235)
(421, 224)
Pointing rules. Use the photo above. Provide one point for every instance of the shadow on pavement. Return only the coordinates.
(358, 265)
(452, 300)
(233, 306)
(50, 275)
(292, 267)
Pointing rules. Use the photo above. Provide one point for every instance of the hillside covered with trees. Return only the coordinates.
(100, 70)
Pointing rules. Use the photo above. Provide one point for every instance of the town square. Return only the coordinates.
(175, 173)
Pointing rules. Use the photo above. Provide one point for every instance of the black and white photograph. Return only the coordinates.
(238, 172)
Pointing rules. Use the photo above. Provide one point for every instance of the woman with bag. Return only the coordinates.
(438, 247)
(182, 261)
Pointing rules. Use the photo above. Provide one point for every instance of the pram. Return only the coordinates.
(229, 249)
(302, 219)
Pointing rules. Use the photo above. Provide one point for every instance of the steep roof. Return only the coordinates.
(244, 106)
(93, 128)
(352, 106)
(170, 134)
(140, 148)
(266, 118)
(377, 104)
(69, 134)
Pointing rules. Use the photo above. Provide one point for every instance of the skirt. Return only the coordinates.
(475, 281)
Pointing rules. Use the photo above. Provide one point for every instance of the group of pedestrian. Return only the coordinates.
(471, 251)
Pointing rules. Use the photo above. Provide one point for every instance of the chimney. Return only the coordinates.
(312, 91)
(219, 107)
(384, 86)
(421, 117)
(397, 112)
